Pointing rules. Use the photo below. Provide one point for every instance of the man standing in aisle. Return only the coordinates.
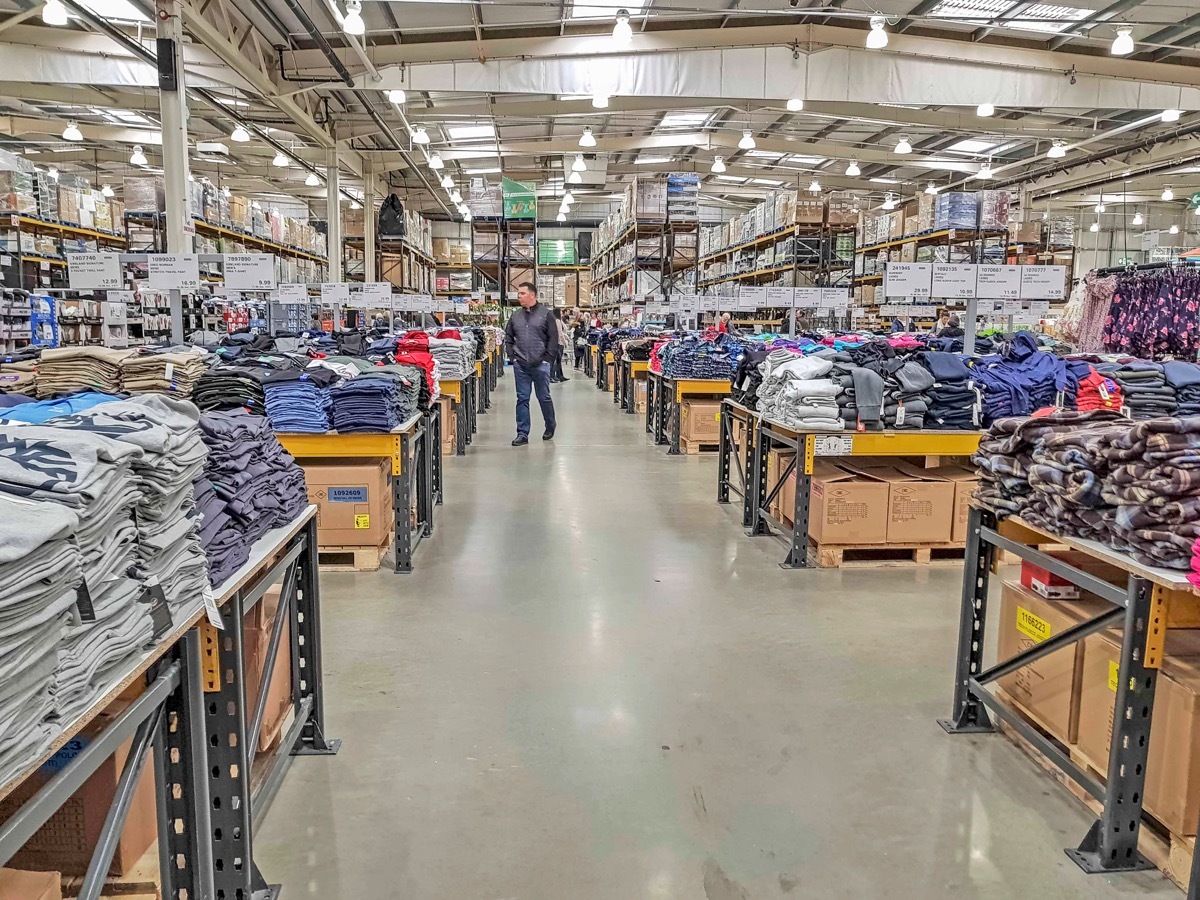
(531, 337)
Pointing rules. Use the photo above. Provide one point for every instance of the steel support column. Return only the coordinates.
(173, 109)
(333, 214)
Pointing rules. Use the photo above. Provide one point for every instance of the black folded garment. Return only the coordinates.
(231, 387)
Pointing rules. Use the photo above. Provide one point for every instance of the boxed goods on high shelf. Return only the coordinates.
(683, 197)
(956, 209)
(647, 197)
(1061, 232)
(17, 185)
(145, 194)
(451, 251)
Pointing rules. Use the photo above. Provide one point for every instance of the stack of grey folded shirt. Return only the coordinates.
(67, 370)
(167, 432)
(39, 574)
(455, 358)
(170, 372)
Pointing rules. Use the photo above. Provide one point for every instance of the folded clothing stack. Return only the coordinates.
(260, 485)
(694, 357)
(1184, 378)
(795, 395)
(747, 378)
(455, 358)
(860, 394)
(299, 401)
(67, 370)
(231, 387)
(18, 372)
(170, 373)
(953, 400)
(413, 350)
(375, 401)
(1092, 389)
(1144, 388)
(39, 575)
(45, 410)
(1019, 380)
(904, 401)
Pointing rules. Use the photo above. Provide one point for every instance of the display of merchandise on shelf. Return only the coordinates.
(16, 320)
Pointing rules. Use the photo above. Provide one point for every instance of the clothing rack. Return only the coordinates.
(1146, 267)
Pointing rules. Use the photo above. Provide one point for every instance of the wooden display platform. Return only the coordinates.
(1170, 853)
(858, 556)
(142, 882)
(694, 447)
(353, 559)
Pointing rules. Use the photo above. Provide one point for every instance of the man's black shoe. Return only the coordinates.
(520, 440)
(549, 434)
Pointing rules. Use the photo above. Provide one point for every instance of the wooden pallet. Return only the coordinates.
(140, 883)
(353, 559)
(694, 447)
(1170, 853)
(851, 556)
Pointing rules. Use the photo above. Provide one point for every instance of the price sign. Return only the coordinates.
(291, 294)
(954, 281)
(673, 303)
(627, 309)
(402, 303)
(423, 303)
(462, 307)
(173, 271)
(710, 304)
(377, 294)
(335, 293)
(250, 271)
(688, 304)
(908, 280)
(833, 445)
(1011, 307)
(94, 271)
(999, 282)
(1043, 282)
(1040, 308)
(807, 298)
(751, 297)
(835, 298)
(779, 297)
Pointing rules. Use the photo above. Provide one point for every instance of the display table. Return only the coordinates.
(483, 383)
(195, 714)
(1145, 607)
(628, 372)
(664, 402)
(463, 394)
(837, 444)
(415, 451)
(603, 381)
(591, 360)
(735, 456)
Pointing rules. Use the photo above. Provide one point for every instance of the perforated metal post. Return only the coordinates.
(747, 463)
(969, 715)
(307, 666)
(1111, 845)
(650, 402)
(402, 502)
(724, 446)
(758, 482)
(434, 423)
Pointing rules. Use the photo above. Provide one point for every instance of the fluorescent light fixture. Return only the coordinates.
(971, 145)
(1174, 229)
(1171, 115)
(447, 181)
(561, 217)
(280, 160)
(735, 179)
(72, 132)
(312, 180)
(435, 162)
(113, 10)
(1137, 218)
(747, 141)
(240, 135)
(1168, 194)
(903, 146)
(878, 180)
(486, 170)
(456, 196)
(600, 101)
(420, 135)
(767, 181)
(579, 165)
(107, 191)
(718, 164)
(815, 187)
(985, 110)
(1057, 150)
(470, 132)
(54, 13)
(1095, 227)
(397, 97)
(795, 104)
(853, 170)
(622, 31)
(649, 160)
(587, 139)
(878, 38)
(353, 22)
(801, 160)
(1122, 45)
(138, 158)
(931, 189)
(575, 178)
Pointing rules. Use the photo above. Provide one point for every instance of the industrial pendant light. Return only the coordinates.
(420, 135)
(1174, 229)
(447, 181)
(903, 146)
(718, 164)
(622, 31)
(54, 13)
(1057, 150)
(747, 141)
(561, 217)
(240, 135)
(1100, 207)
(354, 204)
(889, 202)
(1168, 194)
(138, 158)
(878, 38)
(1171, 115)
(853, 170)
(985, 110)
(280, 161)
(1137, 218)
(985, 171)
(587, 139)
(455, 196)
(568, 198)
(815, 187)
(600, 101)
(931, 189)
(1095, 227)
(1122, 45)
(397, 96)
(353, 23)
(312, 180)
(795, 104)
(579, 165)
(435, 161)
(575, 178)
(107, 191)
(72, 132)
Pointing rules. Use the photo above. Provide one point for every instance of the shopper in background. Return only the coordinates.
(723, 323)
(531, 337)
(953, 328)
(942, 322)
(579, 330)
(556, 367)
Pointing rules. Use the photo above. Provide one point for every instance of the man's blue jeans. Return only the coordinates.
(539, 380)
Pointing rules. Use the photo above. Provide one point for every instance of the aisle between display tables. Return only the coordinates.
(213, 786)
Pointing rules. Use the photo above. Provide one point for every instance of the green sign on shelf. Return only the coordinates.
(520, 199)
(1195, 201)
(556, 253)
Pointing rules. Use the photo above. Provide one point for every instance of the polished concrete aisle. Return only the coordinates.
(595, 687)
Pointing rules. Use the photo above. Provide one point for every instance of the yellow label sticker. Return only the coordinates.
(362, 521)
(1032, 626)
(717, 417)
(1114, 673)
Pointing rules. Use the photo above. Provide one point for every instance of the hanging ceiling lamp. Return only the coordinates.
(72, 132)
(54, 13)
(853, 170)
(579, 165)
(878, 38)
(575, 178)
(903, 145)
(138, 158)
(1122, 45)
(435, 161)
(353, 22)
(747, 141)
(312, 180)
(587, 139)
(718, 164)
(397, 96)
(280, 161)
(622, 30)
(985, 110)
(420, 135)
(795, 104)
(239, 135)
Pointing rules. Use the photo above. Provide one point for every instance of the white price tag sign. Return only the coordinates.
(423, 303)
(807, 298)
(94, 271)
(688, 304)
(710, 304)
(1011, 308)
(751, 297)
(1043, 282)
(835, 298)
(999, 282)
(626, 309)
(954, 281)
(377, 294)
(173, 271)
(335, 293)
(908, 280)
(833, 445)
(291, 294)
(1040, 308)
(779, 297)
(462, 307)
(402, 303)
(211, 610)
(250, 271)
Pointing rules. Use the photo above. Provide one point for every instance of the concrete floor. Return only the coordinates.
(595, 687)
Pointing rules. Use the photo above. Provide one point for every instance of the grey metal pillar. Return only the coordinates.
(969, 327)
(370, 224)
(174, 114)
(333, 215)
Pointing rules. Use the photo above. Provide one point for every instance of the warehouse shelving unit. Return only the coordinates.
(34, 270)
(398, 261)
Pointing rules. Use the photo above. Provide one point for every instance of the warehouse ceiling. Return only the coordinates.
(508, 88)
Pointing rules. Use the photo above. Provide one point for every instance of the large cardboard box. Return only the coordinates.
(258, 624)
(353, 500)
(777, 462)
(847, 507)
(66, 842)
(449, 419)
(920, 502)
(700, 420)
(965, 481)
(639, 395)
(18, 885)
(1173, 769)
(1048, 688)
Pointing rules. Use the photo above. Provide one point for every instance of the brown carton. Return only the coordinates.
(639, 395)
(449, 421)
(777, 462)
(920, 503)
(1047, 688)
(700, 420)
(258, 625)
(353, 500)
(1173, 769)
(965, 481)
(908, 252)
(18, 885)
(846, 507)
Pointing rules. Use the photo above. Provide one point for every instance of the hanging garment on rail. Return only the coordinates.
(1155, 313)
